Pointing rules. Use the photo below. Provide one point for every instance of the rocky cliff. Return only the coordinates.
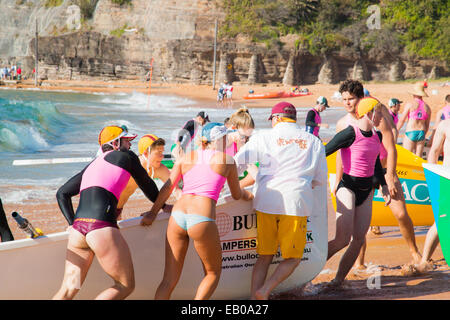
(120, 41)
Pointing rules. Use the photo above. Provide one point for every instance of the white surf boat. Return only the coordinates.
(33, 268)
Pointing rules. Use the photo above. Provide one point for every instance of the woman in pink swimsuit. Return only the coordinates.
(204, 172)
(417, 114)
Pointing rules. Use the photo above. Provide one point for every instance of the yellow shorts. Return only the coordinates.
(289, 232)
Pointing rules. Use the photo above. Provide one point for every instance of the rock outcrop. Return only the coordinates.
(120, 41)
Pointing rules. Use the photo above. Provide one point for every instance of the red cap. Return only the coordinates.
(283, 108)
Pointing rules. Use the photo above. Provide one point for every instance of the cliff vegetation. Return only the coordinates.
(408, 28)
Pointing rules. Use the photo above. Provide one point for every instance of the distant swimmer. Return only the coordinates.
(359, 145)
(204, 172)
(188, 133)
(5, 232)
(292, 163)
(313, 120)
(417, 115)
(441, 144)
(151, 154)
(94, 230)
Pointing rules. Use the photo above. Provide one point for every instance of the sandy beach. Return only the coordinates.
(386, 253)
(205, 95)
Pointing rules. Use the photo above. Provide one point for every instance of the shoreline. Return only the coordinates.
(205, 96)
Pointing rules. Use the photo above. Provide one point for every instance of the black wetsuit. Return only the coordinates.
(97, 202)
(361, 186)
(5, 232)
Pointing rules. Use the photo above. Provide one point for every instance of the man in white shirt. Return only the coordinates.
(292, 162)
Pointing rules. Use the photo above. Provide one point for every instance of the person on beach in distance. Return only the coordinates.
(352, 91)
(313, 120)
(442, 114)
(204, 172)
(229, 94)
(220, 95)
(417, 114)
(440, 144)
(151, 154)
(188, 133)
(93, 228)
(360, 146)
(292, 162)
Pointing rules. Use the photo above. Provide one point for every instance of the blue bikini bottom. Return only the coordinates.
(187, 221)
(416, 135)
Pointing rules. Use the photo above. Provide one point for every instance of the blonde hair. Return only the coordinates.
(242, 119)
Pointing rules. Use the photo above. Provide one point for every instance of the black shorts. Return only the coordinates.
(361, 187)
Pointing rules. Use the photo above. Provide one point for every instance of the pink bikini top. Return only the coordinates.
(359, 159)
(95, 175)
(201, 180)
(419, 113)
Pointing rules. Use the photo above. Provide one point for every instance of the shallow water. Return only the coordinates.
(37, 124)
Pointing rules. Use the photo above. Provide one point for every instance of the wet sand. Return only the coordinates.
(386, 253)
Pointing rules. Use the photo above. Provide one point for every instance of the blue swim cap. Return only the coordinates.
(213, 131)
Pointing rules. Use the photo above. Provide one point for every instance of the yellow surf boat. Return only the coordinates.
(412, 178)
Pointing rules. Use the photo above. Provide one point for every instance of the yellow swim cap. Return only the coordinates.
(145, 142)
(365, 105)
(111, 133)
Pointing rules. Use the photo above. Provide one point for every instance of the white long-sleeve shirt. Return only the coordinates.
(291, 162)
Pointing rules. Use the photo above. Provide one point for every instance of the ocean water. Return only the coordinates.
(36, 124)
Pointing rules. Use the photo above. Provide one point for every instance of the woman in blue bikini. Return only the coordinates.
(204, 172)
(418, 114)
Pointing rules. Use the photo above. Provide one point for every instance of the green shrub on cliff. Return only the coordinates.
(53, 3)
(421, 28)
(121, 2)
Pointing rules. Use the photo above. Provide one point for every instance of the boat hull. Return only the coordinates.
(33, 268)
(295, 94)
(410, 172)
(267, 95)
(438, 179)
